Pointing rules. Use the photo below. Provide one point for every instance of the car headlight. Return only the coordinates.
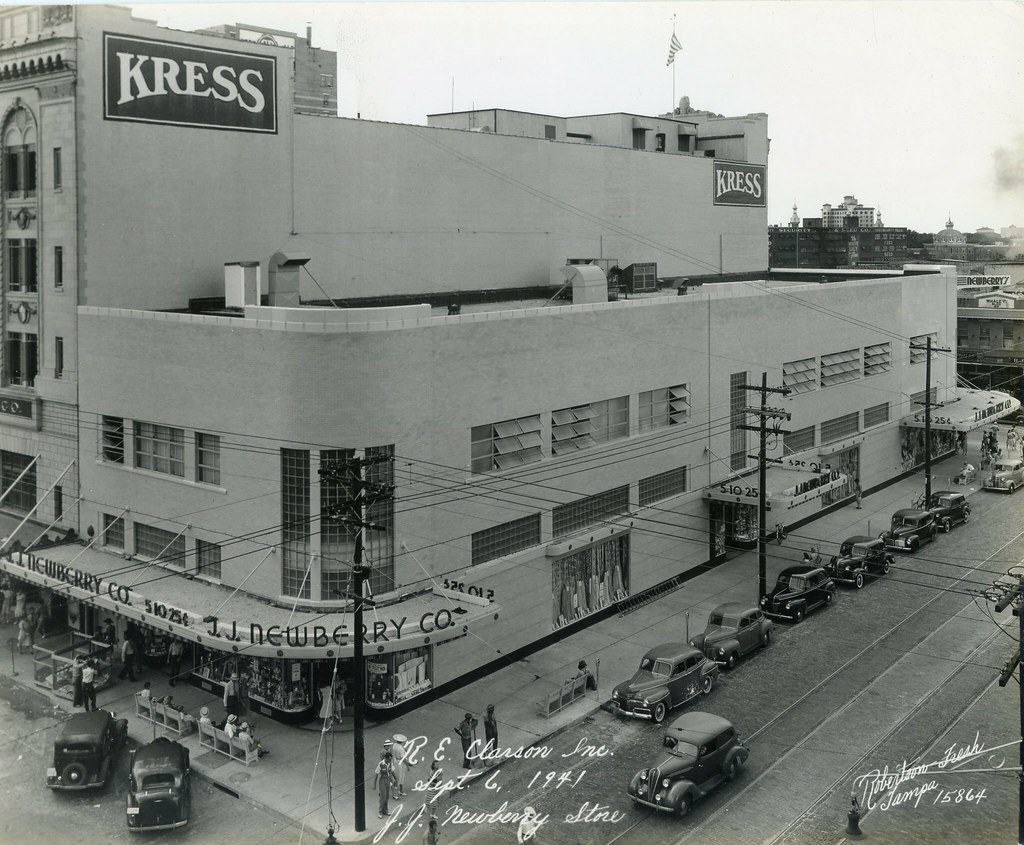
(789, 604)
(665, 783)
(647, 701)
(721, 651)
(643, 775)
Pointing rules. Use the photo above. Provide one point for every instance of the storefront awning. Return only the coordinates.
(969, 410)
(788, 485)
(195, 610)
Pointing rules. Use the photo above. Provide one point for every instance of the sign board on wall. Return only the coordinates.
(738, 183)
(275, 39)
(150, 81)
(983, 281)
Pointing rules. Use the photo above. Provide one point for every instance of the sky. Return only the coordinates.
(916, 108)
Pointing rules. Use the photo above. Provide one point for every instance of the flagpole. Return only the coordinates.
(673, 109)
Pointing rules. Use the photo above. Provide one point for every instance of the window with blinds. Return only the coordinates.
(800, 376)
(840, 367)
(918, 356)
(877, 359)
(505, 445)
(665, 406)
(798, 441)
(840, 427)
(876, 415)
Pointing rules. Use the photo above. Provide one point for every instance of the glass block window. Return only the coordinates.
(207, 458)
(584, 426)
(917, 356)
(208, 559)
(665, 406)
(800, 376)
(505, 539)
(877, 358)
(12, 464)
(654, 488)
(876, 415)
(505, 445)
(160, 448)
(294, 522)
(159, 544)
(798, 441)
(589, 510)
(337, 538)
(840, 367)
(380, 544)
(840, 427)
(737, 436)
(113, 531)
(112, 439)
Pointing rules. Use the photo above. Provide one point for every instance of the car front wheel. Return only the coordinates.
(947, 525)
(684, 806)
(659, 711)
(858, 582)
(766, 638)
(798, 615)
(828, 598)
(885, 566)
(709, 682)
(967, 514)
(732, 769)
(730, 661)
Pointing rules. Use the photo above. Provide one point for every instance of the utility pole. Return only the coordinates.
(928, 415)
(765, 413)
(351, 512)
(1013, 594)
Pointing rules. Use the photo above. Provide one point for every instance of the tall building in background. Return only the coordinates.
(840, 215)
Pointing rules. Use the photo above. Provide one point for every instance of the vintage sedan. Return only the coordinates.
(734, 629)
(860, 558)
(159, 786)
(670, 674)
(949, 508)
(798, 591)
(909, 530)
(699, 751)
(85, 751)
(1006, 476)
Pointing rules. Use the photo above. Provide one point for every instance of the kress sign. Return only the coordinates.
(149, 81)
(738, 183)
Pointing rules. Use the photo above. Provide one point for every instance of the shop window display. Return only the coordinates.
(392, 678)
(589, 580)
(54, 658)
(270, 684)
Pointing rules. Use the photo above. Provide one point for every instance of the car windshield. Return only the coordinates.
(796, 582)
(723, 620)
(900, 521)
(680, 746)
(656, 667)
(861, 550)
(944, 502)
(1001, 467)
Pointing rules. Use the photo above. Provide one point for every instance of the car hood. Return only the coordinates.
(671, 765)
(848, 562)
(715, 634)
(642, 681)
(782, 594)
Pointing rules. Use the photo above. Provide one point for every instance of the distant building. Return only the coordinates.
(829, 248)
(950, 246)
(315, 69)
(837, 217)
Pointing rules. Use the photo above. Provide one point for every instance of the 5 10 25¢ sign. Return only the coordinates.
(150, 81)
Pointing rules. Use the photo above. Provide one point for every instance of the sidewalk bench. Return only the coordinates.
(966, 477)
(565, 695)
(215, 739)
(161, 714)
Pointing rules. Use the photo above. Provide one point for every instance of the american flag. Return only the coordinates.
(673, 48)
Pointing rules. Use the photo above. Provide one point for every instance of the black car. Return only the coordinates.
(798, 591)
(949, 508)
(159, 786)
(669, 675)
(698, 752)
(734, 629)
(910, 529)
(85, 750)
(859, 559)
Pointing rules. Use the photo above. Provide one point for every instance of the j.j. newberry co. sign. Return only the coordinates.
(151, 81)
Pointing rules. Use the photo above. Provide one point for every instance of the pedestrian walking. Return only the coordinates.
(76, 680)
(465, 730)
(24, 634)
(174, 652)
(491, 730)
(857, 491)
(384, 782)
(8, 611)
(128, 660)
(89, 685)
(19, 606)
(432, 835)
(109, 632)
(399, 752)
(231, 695)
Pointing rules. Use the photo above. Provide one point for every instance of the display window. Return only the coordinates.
(589, 580)
(272, 686)
(848, 463)
(393, 678)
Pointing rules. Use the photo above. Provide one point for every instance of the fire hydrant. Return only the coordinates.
(853, 818)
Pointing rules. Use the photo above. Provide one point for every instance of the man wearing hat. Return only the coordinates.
(231, 725)
(491, 729)
(231, 695)
(465, 730)
(204, 716)
(398, 754)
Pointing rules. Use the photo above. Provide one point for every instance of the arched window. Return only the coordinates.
(19, 173)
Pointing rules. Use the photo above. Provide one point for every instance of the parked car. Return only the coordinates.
(859, 559)
(698, 752)
(670, 674)
(734, 629)
(159, 786)
(798, 591)
(949, 508)
(909, 530)
(1006, 475)
(86, 749)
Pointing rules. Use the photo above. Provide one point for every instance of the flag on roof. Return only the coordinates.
(673, 48)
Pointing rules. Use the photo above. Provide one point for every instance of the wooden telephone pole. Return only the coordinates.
(928, 348)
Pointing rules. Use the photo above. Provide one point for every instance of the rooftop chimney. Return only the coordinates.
(241, 283)
(309, 35)
(283, 272)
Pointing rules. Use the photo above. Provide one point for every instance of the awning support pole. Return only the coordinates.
(35, 507)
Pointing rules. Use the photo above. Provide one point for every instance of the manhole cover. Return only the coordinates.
(240, 777)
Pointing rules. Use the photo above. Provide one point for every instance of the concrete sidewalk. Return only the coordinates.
(292, 780)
